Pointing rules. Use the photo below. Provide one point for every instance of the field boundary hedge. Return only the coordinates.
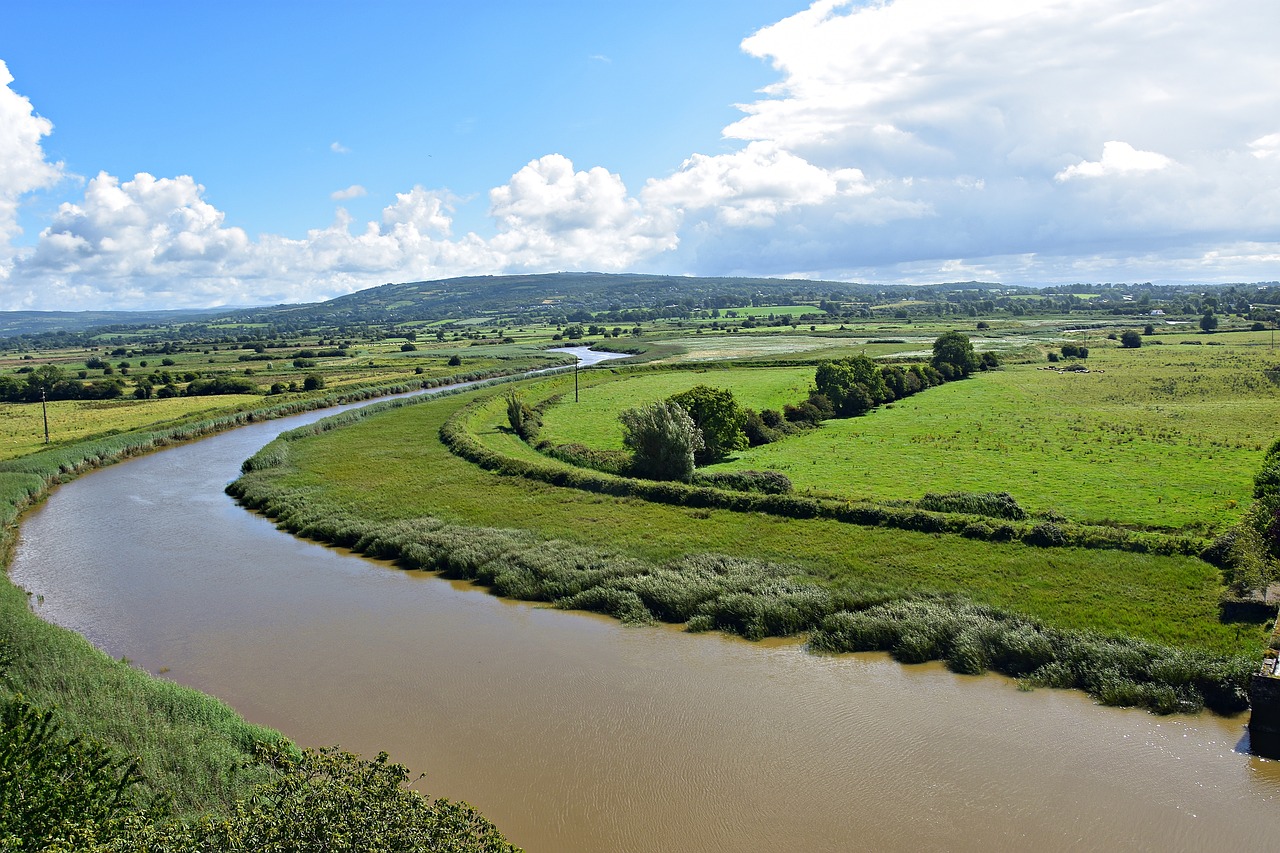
(757, 599)
(1046, 534)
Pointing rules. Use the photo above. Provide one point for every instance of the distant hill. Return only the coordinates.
(13, 323)
(565, 292)
(509, 295)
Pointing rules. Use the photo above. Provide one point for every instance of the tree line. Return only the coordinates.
(701, 426)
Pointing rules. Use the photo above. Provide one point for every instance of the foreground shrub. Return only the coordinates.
(58, 792)
(332, 800)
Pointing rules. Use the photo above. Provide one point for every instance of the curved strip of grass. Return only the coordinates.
(1048, 534)
(383, 488)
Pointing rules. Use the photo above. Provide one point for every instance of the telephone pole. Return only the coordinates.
(44, 409)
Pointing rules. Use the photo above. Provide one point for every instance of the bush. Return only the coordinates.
(1047, 534)
(1130, 339)
(765, 482)
(664, 440)
(990, 504)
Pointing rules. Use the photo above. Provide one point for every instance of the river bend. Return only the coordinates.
(575, 733)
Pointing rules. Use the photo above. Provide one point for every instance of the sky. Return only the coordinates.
(196, 155)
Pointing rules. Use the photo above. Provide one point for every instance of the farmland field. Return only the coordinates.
(1165, 437)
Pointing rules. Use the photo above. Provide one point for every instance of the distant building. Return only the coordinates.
(1157, 313)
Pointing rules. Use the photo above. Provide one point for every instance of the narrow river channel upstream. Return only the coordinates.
(576, 734)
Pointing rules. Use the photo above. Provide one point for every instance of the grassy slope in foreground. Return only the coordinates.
(386, 481)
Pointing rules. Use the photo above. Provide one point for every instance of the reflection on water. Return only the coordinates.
(575, 733)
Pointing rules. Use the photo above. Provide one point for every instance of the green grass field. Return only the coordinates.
(391, 467)
(1166, 437)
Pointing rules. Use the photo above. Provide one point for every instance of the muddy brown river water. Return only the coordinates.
(575, 733)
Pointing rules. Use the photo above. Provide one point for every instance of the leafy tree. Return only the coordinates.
(1148, 330)
(953, 349)
(718, 417)
(408, 347)
(663, 438)
(313, 382)
(455, 360)
(853, 385)
(1208, 322)
(58, 792)
(44, 378)
(1131, 339)
(524, 421)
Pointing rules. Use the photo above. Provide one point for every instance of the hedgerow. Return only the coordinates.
(917, 517)
(757, 599)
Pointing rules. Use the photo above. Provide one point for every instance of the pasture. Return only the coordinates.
(1161, 437)
(391, 467)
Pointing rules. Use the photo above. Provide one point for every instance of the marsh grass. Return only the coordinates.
(384, 486)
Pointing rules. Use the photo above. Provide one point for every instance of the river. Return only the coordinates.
(576, 733)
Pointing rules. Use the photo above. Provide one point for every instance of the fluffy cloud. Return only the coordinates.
(911, 140)
(550, 215)
(1118, 158)
(353, 191)
(752, 186)
(23, 167)
(156, 242)
(1266, 147)
(972, 127)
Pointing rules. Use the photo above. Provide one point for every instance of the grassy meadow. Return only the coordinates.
(1163, 437)
(390, 468)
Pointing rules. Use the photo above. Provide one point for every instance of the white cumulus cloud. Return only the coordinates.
(23, 167)
(1118, 158)
(912, 140)
(353, 191)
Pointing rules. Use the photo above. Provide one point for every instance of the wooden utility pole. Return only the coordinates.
(575, 380)
(44, 409)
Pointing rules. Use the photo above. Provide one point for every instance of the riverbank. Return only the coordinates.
(576, 733)
(747, 573)
(190, 748)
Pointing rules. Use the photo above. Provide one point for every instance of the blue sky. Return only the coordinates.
(191, 155)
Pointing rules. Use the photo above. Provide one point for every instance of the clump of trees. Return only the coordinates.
(1130, 339)
(718, 417)
(852, 385)
(663, 439)
(954, 356)
(1249, 553)
(53, 383)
